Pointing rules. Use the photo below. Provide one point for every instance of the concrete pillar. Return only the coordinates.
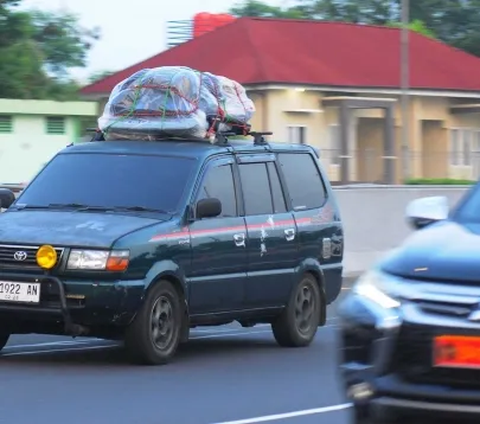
(344, 128)
(389, 154)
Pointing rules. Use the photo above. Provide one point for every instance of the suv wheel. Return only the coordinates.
(154, 335)
(297, 325)
(4, 336)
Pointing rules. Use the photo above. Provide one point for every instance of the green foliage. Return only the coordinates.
(63, 43)
(97, 76)
(438, 181)
(416, 26)
(259, 9)
(37, 49)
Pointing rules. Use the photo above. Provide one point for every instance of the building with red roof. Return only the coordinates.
(337, 86)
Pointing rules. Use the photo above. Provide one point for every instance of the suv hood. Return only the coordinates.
(67, 228)
(442, 251)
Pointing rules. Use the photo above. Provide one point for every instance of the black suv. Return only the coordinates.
(142, 241)
(410, 328)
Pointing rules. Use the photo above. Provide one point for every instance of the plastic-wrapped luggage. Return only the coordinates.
(174, 101)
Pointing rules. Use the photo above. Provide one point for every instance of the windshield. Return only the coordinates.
(110, 181)
(468, 208)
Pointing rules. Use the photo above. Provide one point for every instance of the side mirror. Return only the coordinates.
(208, 208)
(427, 210)
(6, 198)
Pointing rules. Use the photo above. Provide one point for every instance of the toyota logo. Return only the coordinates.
(20, 255)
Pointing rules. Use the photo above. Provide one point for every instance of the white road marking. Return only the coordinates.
(276, 417)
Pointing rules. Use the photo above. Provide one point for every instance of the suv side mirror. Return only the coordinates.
(6, 198)
(427, 210)
(208, 208)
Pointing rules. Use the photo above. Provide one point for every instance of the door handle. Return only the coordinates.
(239, 239)
(289, 234)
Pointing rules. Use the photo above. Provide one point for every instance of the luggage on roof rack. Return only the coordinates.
(175, 101)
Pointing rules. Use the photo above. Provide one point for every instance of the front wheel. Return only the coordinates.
(298, 323)
(154, 335)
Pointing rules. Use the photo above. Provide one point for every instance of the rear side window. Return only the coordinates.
(256, 189)
(219, 184)
(303, 179)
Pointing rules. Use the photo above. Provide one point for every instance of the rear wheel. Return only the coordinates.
(155, 333)
(297, 325)
(4, 336)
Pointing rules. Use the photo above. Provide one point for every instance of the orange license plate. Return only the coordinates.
(456, 351)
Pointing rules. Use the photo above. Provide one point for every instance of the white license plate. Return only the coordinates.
(12, 291)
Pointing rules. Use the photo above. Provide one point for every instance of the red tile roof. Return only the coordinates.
(258, 51)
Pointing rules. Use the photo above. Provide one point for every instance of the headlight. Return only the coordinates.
(378, 288)
(115, 260)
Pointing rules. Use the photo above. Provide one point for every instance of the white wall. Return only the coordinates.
(28, 147)
(374, 220)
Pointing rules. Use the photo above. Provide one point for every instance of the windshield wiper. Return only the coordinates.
(82, 207)
(139, 209)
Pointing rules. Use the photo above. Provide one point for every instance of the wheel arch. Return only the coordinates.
(312, 267)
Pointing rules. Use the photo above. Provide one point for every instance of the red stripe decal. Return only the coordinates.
(185, 233)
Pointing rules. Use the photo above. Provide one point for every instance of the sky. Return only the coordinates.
(131, 30)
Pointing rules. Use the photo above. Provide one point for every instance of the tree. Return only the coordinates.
(37, 49)
(64, 44)
(378, 12)
(259, 9)
(97, 76)
(455, 22)
(416, 26)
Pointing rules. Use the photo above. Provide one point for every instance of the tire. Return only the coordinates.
(298, 330)
(4, 339)
(154, 335)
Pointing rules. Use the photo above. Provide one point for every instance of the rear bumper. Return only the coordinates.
(74, 304)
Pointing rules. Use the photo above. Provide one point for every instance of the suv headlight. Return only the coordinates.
(377, 287)
(108, 260)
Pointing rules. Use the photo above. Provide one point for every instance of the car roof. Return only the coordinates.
(192, 149)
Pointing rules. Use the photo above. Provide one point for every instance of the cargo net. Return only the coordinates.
(178, 102)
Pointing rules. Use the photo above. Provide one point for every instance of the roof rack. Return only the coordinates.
(259, 137)
(221, 137)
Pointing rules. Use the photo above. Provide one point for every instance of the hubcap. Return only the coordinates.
(162, 323)
(304, 309)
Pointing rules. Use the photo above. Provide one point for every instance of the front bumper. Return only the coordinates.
(391, 354)
(73, 303)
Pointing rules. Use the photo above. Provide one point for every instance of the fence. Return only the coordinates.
(367, 166)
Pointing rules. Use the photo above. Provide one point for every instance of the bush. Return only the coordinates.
(438, 181)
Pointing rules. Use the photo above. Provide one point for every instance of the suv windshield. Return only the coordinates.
(110, 181)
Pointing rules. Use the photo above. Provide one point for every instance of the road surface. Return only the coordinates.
(224, 375)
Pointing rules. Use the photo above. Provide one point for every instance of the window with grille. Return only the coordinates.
(297, 134)
(462, 142)
(467, 147)
(55, 125)
(334, 143)
(6, 125)
(455, 147)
